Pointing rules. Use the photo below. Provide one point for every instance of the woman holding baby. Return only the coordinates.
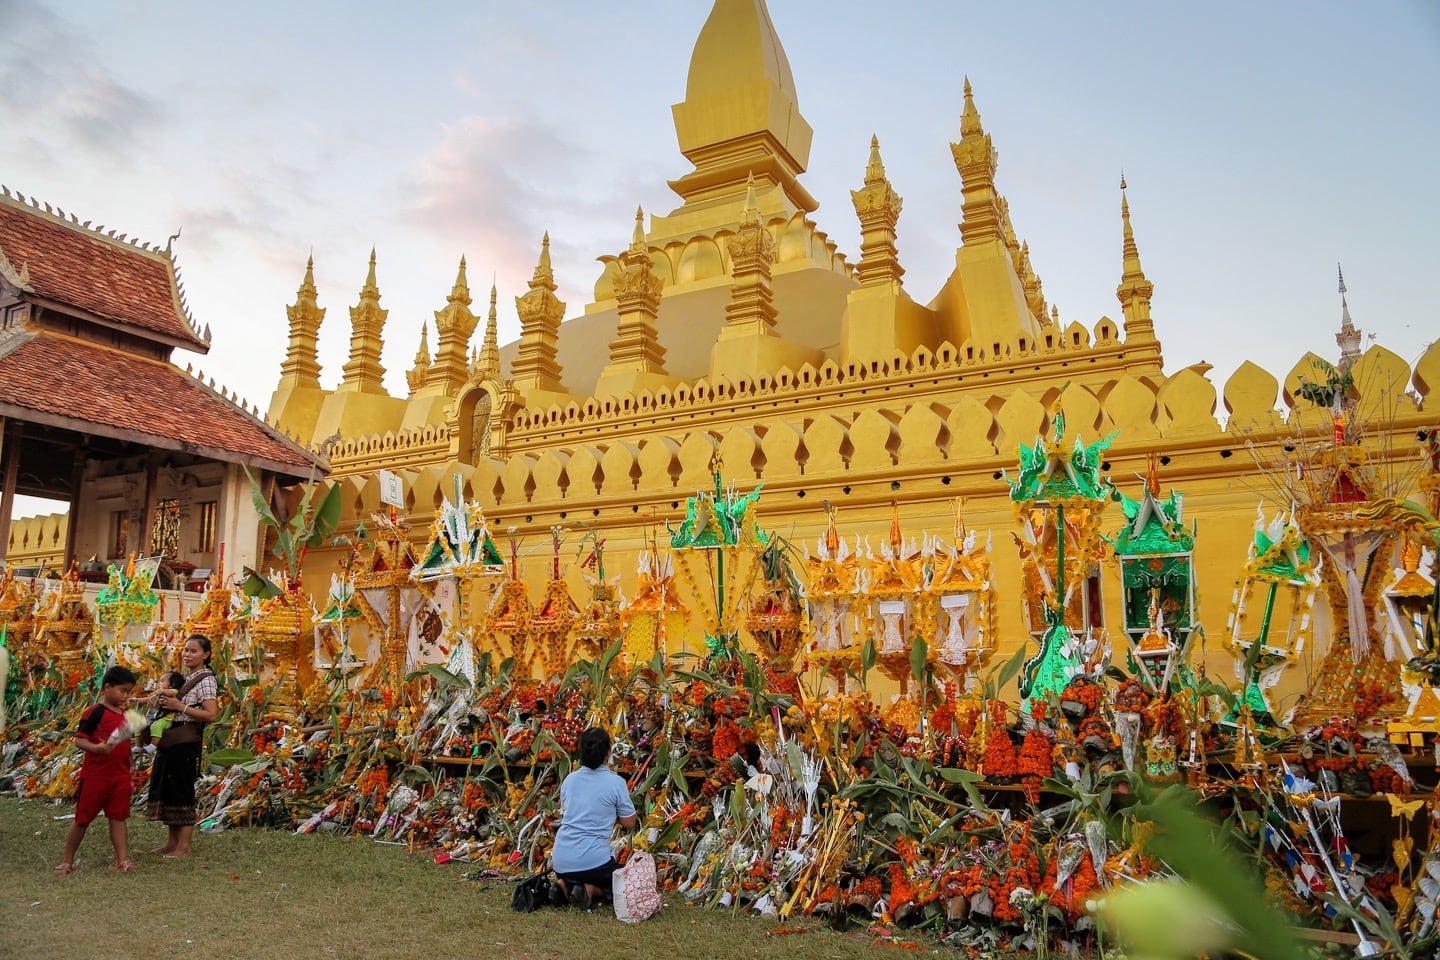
(177, 756)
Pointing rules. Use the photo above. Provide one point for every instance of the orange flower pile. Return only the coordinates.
(902, 892)
(1072, 895)
(1035, 763)
(726, 741)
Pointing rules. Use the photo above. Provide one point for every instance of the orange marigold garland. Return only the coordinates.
(1035, 762)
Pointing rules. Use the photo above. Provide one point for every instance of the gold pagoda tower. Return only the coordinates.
(734, 325)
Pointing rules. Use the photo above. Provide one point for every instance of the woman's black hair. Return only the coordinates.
(204, 643)
(594, 748)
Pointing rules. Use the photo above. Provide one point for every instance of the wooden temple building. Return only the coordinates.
(96, 413)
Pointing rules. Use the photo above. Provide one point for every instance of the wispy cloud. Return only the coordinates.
(51, 78)
(101, 113)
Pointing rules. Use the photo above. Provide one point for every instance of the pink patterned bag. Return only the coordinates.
(636, 889)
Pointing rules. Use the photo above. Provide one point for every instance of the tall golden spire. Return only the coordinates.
(752, 254)
(454, 324)
(362, 372)
(301, 366)
(636, 357)
(1348, 339)
(878, 207)
(489, 358)
(417, 375)
(535, 366)
(1134, 290)
(976, 160)
(740, 114)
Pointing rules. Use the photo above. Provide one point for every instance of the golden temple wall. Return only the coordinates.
(920, 430)
(37, 541)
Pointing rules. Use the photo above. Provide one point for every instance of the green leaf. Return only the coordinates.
(1011, 669)
(677, 777)
(967, 780)
(959, 775)
(444, 677)
(796, 757)
(414, 774)
(608, 657)
(919, 655)
(1184, 840)
(256, 585)
(229, 757)
(257, 497)
(327, 515)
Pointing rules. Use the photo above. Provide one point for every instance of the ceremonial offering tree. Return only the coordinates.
(720, 530)
(460, 551)
(833, 573)
(960, 606)
(1059, 497)
(1281, 574)
(284, 628)
(1155, 551)
(600, 623)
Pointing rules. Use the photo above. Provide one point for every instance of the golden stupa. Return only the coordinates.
(733, 324)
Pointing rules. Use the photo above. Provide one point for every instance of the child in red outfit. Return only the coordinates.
(105, 772)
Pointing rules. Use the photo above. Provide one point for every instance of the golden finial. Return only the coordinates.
(959, 506)
(895, 539)
(1152, 474)
(422, 355)
(751, 213)
(489, 355)
(637, 239)
(832, 535)
(370, 285)
(970, 117)
(875, 169)
(1131, 253)
(460, 292)
(544, 273)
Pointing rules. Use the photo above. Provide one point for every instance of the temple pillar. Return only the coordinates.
(72, 526)
(10, 458)
(147, 515)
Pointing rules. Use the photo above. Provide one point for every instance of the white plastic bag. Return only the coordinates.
(636, 889)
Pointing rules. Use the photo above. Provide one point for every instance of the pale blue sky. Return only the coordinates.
(1262, 142)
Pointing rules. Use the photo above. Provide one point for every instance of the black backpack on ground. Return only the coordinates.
(532, 893)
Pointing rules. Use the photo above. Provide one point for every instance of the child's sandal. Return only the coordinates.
(64, 869)
(124, 866)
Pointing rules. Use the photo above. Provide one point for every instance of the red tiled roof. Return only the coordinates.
(111, 279)
(96, 389)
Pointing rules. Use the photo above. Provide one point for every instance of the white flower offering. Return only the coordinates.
(135, 721)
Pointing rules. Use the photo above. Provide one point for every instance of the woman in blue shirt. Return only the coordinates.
(593, 799)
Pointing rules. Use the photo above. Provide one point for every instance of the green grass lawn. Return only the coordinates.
(252, 893)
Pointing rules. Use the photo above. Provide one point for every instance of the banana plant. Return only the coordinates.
(309, 526)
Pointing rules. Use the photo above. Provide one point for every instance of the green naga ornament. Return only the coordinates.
(1059, 498)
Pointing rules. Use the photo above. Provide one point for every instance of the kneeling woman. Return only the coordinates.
(592, 800)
